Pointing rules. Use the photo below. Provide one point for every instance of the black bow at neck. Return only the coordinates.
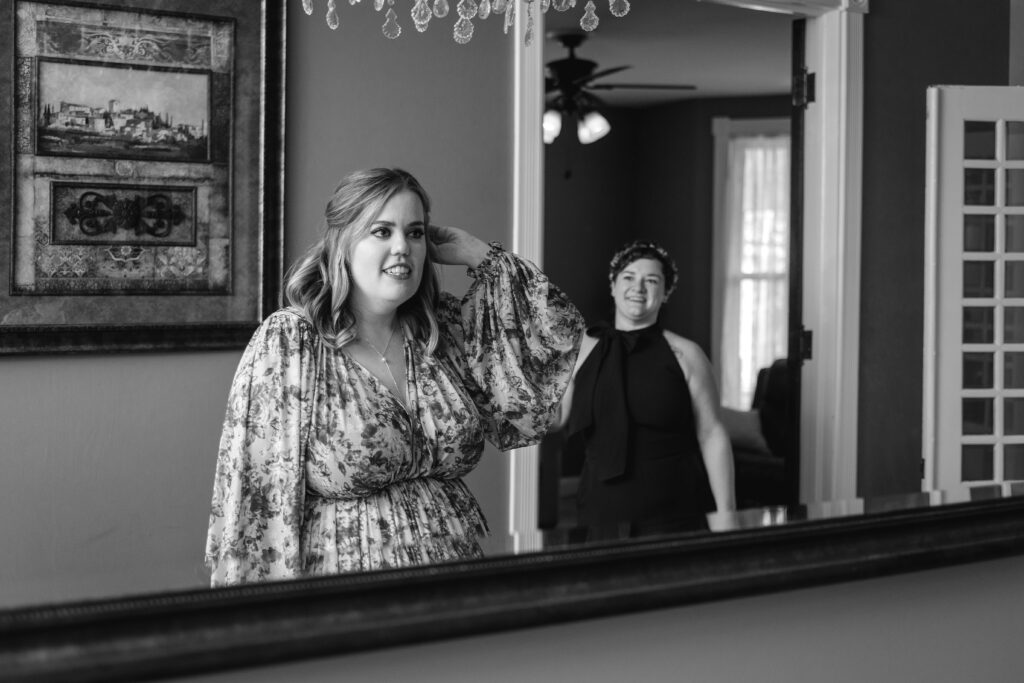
(600, 414)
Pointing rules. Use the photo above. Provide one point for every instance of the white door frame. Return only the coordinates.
(944, 296)
(832, 233)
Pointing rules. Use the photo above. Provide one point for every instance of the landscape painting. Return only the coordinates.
(102, 110)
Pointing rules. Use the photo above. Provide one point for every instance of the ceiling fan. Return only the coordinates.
(568, 86)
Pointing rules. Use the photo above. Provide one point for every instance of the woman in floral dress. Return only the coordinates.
(356, 411)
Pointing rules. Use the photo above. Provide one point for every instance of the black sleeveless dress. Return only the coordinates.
(632, 415)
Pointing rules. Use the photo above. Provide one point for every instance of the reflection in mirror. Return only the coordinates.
(107, 459)
(696, 159)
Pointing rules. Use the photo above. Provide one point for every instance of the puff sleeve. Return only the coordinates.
(517, 336)
(258, 493)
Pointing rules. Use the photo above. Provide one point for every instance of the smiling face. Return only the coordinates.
(387, 264)
(639, 292)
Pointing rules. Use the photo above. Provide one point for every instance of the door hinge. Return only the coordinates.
(806, 341)
(803, 88)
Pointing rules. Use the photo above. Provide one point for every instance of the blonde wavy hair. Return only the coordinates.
(319, 283)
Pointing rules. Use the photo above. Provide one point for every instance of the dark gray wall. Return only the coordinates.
(650, 178)
(908, 45)
(106, 461)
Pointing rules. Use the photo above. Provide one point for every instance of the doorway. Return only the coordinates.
(652, 177)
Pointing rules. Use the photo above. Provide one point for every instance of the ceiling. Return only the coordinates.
(724, 51)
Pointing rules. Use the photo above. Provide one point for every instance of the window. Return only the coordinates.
(752, 252)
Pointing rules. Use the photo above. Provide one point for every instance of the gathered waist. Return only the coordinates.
(442, 505)
(416, 521)
(364, 491)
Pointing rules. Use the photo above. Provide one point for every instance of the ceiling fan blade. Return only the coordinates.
(583, 81)
(638, 86)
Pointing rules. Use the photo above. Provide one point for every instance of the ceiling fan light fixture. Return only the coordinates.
(552, 125)
(592, 127)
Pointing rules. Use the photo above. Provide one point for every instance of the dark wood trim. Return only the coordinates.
(184, 633)
(27, 340)
(794, 358)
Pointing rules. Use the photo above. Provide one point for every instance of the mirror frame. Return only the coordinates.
(203, 631)
(200, 631)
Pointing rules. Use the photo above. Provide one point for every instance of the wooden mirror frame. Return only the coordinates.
(185, 633)
(190, 632)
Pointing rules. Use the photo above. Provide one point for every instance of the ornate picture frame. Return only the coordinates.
(142, 178)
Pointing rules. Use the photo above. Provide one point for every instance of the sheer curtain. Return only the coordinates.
(755, 239)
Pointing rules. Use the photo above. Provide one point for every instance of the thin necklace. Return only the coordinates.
(384, 358)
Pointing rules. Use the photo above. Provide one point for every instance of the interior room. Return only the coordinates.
(108, 456)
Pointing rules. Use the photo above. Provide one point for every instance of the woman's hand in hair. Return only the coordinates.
(453, 246)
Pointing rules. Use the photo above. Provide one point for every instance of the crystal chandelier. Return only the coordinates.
(468, 10)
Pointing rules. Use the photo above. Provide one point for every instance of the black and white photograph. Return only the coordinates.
(511, 340)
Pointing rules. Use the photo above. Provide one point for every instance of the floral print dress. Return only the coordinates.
(322, 470)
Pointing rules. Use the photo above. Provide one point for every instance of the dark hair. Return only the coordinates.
(319, 284)
(644, 249)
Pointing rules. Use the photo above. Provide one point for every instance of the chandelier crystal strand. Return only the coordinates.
(332, 15)
(510, 15)
(463, 31)
(528, 37)
(391, 29)
(618, 8)
(421, 14)
(589, 21)
(468, 10)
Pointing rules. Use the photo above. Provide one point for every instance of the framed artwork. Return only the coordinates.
(141, 176)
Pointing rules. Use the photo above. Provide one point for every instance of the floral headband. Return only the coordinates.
(644, 249)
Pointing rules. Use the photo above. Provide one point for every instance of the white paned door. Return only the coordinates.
(974, 308)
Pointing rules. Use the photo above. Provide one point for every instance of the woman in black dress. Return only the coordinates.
(644, 409)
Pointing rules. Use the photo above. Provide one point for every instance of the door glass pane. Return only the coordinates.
(1013, 416)
(976, 462)
(978, 416)
(979, 186)
(980, 233)
(1015, 140)
(979, 279)
(1013, 461)
(1013, 324)
(979, 370)
(1015, 187)
(978, 325)
(990, 492)
(1014, 278)
(1014, 233)
(979, 140)
(1013, 370)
